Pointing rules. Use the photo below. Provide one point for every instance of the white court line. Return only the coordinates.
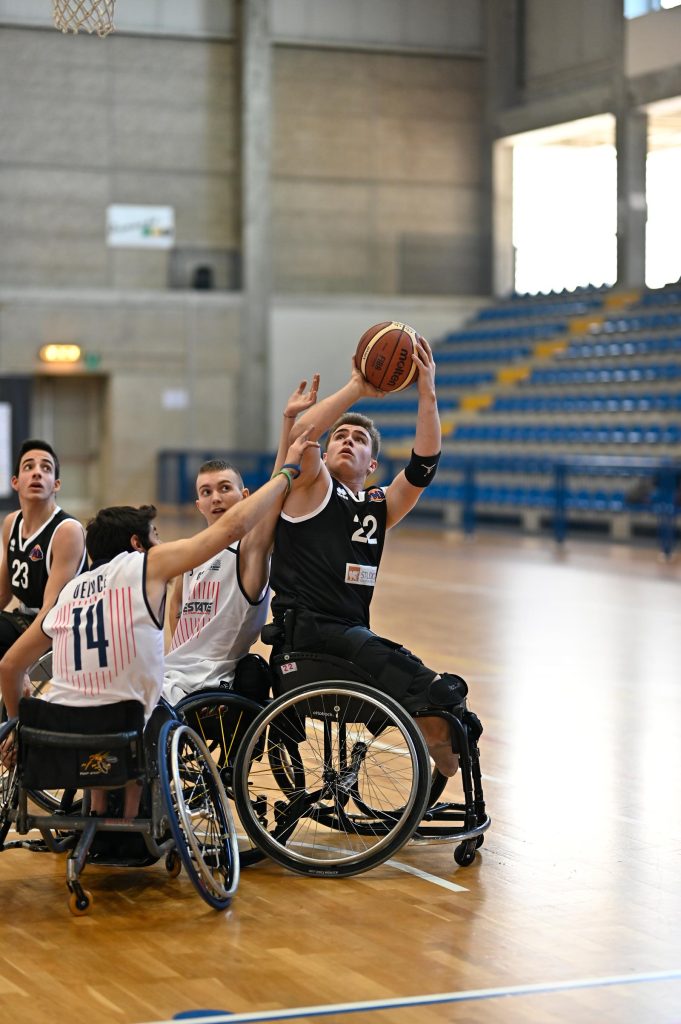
(442, 997)
(426, 876)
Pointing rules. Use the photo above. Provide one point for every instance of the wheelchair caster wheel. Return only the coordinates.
(173, 864)
(464, 854)
(80, 902)
(479, 841)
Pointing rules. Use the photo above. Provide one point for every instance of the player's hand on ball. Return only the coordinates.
(364, 388)
(423, 357)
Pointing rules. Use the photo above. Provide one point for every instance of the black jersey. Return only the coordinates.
(327, 562)
(28, 561)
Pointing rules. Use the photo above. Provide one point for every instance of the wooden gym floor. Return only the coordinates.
(572, 910)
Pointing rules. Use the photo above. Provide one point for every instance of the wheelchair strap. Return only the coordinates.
(46, 738)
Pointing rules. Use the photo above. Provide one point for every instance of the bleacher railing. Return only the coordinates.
(177, 471)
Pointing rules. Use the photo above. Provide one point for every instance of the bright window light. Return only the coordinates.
(564, 217)
(663, 230)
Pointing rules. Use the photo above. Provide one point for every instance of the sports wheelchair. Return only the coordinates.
(332, 776)
(50, 757)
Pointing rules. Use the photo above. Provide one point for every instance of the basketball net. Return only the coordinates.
(89, 15)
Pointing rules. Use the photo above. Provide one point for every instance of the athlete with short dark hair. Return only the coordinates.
(329, 543)
(43, 546)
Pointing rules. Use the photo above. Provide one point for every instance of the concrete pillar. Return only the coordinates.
(631, 134)
(503, 261)
(256, 62)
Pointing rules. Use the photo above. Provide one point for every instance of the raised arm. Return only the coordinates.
(175, 604)
(328, 409)
(401, 494)
(256, 546)
(176, 557)
(298, 403)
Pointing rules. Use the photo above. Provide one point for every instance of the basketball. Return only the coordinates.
(384, 356)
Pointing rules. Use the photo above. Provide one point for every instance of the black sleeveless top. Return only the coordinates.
(28, 561)
(326, 563)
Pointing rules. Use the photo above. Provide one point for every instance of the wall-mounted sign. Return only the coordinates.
(140, 227)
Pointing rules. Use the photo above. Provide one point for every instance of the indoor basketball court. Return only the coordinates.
(205, 204)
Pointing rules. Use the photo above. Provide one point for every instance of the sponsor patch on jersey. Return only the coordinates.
(375, 494)
(214, 566)
(288, 666)
(341, 492)
(363, 575)
(197, 608)
(11, 544)
(36, 553)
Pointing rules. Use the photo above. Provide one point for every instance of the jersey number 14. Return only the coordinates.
(95, 636)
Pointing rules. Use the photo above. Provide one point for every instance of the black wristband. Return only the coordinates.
(421, 469)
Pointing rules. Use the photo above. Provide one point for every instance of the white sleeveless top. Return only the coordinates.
(107, 644)
(217, 626)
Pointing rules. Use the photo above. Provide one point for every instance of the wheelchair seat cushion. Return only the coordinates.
(62, 747)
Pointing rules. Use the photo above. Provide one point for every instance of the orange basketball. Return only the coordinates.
(384, 356)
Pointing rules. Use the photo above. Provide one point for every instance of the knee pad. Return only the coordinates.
(447, 691)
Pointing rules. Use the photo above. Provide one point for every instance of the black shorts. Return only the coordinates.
(12, 625)
(395, 670)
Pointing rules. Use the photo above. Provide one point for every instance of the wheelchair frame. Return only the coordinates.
(189, 821)
(271, 820)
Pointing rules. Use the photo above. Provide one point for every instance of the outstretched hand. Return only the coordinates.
(301, 400)
(423, 357)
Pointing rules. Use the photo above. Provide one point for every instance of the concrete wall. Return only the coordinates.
(140, 121)
(451, 26)
(151, 348)
(377, 173)
(377, 203)
(653, 43)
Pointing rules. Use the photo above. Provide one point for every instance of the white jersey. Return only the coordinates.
(107, 644)
(217, 626)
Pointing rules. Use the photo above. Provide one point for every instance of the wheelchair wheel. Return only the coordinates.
(340, 759)
(221, 718)
(9, 777)
(198, 814)
(51, 800)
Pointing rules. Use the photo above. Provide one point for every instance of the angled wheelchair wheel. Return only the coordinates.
(51, 800)
(221, 718)
(344, 782)
(9, 777)
(198, 814)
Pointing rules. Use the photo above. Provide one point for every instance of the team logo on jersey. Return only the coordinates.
(11, 544)
(364, 575)
(341, 492)
(375, 494)
(36, 553)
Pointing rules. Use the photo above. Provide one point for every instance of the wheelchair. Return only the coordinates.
(50, 750)
(332, 776)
